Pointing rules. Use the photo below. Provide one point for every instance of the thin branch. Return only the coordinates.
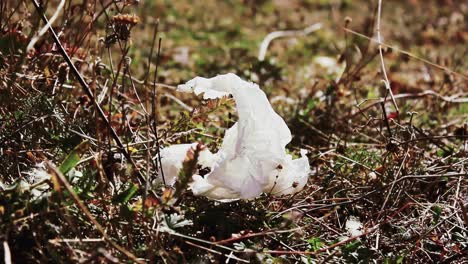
(343, 242)
(451, 99)
(386, 81)
(250, 235)
(6, 253)
(148, 119)
(155, 128)
(76, 240)
(285, 33)
(385, 118)
(174, 233)
(392, 185)
(46, 27)
(404, 52)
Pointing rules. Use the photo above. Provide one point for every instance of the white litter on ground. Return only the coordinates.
(353, 226)
(252, 159)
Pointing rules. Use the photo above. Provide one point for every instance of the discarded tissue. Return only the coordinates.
(252, 158)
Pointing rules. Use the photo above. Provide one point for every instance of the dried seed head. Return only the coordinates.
(348, 20)
(127, 19)
(63, 71)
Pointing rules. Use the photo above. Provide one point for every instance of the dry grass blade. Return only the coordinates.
(88, 91)
(63, 181)
(285, 33)
(384, 71)
(6, 253)
(409, 54)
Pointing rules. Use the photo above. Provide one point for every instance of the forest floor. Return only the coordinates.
(388, 180)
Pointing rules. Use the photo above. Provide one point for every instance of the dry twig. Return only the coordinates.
(55, 172)
(285, 33)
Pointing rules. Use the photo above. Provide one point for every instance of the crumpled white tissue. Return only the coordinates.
(172, 159)
(252, 158)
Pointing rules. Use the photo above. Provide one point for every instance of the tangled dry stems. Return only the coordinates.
(402, 174)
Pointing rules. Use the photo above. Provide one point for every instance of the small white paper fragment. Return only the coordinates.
(252, 158)
(353, 226)
(36, 181)
(172, 159)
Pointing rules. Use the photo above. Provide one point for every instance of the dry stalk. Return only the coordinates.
(409, 54)
(6, 253)
(88, 92)
(386, 81)
(88, 214)
(285, 33)
(46, 26)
